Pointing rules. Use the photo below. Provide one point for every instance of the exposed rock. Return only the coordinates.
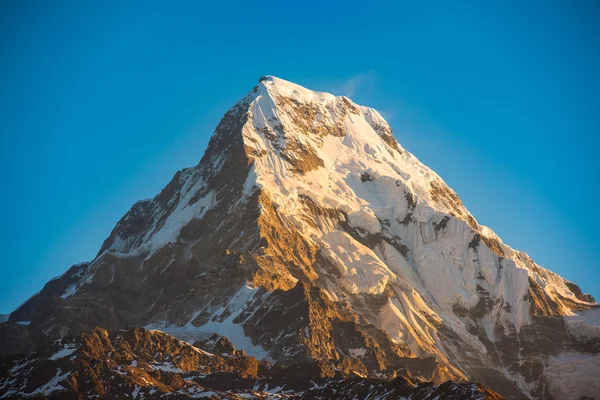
(15, 339)
(149, 364)
(311, 238)
(218, 344)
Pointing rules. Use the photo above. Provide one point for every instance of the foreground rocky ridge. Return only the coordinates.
(308, 233)
(152, 365)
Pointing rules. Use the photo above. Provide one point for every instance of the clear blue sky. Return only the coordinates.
(101, 103)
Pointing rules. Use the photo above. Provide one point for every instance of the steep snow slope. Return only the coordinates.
(307, 231)
(343, 156)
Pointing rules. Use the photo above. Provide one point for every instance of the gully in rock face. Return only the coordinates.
(311, 240)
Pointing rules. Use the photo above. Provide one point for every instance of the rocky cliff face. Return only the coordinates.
(306, 232)
(137, 363)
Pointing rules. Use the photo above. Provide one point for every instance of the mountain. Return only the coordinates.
(305, 233)
(153, 365)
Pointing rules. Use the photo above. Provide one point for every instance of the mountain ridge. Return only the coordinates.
(151, 364)
(306, 201)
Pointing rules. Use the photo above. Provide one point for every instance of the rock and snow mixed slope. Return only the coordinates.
(142, 364)
(307, 232)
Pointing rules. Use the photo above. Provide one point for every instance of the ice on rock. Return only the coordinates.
(400, 227)
(431, 254)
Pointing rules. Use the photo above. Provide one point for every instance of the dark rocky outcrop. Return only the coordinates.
(253, 253)
(139, 363)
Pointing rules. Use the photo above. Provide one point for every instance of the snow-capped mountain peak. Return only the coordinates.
(308, 232)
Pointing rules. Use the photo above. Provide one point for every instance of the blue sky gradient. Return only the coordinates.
(102, 102)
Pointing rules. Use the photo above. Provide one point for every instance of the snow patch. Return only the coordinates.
(179, 218)
(232, 331)
(67, 350)
(584, 324)
(167, 367)
(52, 385)
(359, 352)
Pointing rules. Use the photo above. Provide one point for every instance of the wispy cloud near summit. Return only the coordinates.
(358, 83)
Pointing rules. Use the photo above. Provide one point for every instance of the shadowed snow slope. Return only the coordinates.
(307, 232)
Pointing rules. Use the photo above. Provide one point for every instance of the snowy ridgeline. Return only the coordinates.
(314, 147)
(384, 190)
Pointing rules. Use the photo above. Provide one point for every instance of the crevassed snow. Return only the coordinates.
(371, 182)
(339, 185)
(383, 192)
